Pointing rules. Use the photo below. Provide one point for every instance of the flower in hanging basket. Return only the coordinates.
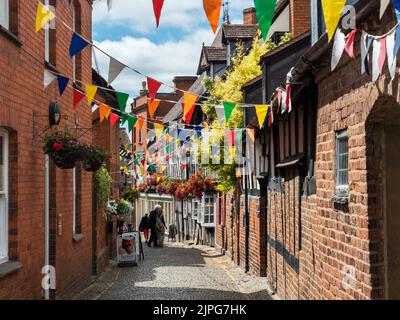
(95, 158)
(65, 150)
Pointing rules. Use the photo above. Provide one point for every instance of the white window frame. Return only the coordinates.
(340, 188)
(196, 208)
(4, 194)
(5, 14)
(203, 213)
(46, 36)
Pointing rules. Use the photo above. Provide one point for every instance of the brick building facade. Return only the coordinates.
(32, 188)
(322, 215)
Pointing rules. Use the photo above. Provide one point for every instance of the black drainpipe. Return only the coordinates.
(247, 221)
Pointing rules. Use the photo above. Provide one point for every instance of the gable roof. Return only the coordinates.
(239, 31)
(210, 55)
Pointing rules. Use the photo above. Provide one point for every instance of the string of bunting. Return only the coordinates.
(79, 43)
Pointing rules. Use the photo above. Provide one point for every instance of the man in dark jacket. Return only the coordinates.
(153, 224)
(145, 226)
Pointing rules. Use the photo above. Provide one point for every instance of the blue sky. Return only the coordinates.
(128, 32)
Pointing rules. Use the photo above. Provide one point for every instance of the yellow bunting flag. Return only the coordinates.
(104, 111)
(190, 100)
(153, 105)
(262, 111)
(90, 93)
(233, 152)
(158, 128)
(43, 16)
(213, 12)
(332, 12)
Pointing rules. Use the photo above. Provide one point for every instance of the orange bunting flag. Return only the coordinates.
(213, 12)
(153, 105)
(104, 112)
(139, 124)
(190, 99)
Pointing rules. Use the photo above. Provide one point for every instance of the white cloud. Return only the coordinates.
(185, 15)
(183, 20)
(161, 61)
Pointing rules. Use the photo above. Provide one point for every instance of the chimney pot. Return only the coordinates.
(249, 16)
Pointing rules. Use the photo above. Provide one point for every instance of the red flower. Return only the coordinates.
(57, 147)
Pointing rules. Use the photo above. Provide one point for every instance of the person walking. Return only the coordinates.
(160, 228)
(145, 226)
(153, 226)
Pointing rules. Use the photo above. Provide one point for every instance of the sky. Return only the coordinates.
(128, 32)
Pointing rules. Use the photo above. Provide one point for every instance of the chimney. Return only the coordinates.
(184, 83)
(300, 17)
(249, 16)
(144, 90)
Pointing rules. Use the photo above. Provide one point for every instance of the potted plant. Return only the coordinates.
(65, 150)
(131, 195)
(95, 158)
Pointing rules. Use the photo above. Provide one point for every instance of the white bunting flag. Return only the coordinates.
(338, 48)
(220, 114)
(376, 50)
(391, 58)
(48, 78)
(115, 69)
(384, 5)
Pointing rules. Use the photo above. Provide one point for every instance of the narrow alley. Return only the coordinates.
(178, 272)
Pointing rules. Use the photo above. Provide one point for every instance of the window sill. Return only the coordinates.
(9, 267)
(77, 237)
(11, 36)
(340, 199)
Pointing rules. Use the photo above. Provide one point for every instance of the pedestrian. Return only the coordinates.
(145, 226)
(153, 226)
(160, 227)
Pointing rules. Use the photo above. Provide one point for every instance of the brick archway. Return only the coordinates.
(383, 181)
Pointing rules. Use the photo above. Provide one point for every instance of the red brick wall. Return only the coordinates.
(21, 93)
(300, 17)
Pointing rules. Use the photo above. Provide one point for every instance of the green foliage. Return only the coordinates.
(246, 67)
(124, 208)
(131, 195)
(103, 183)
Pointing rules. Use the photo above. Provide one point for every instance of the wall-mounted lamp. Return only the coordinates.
(54, 113)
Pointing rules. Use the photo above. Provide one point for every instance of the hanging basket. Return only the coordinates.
(95, 158)
(65, 150)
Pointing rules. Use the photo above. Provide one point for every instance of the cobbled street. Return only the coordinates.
(175, 272)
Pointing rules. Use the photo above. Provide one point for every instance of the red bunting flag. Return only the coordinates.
(153, 86)
(349, 47)
(113, 119)
(183, 166)
(382, 54)
(78, 97)
(189, 113)
(157, 6)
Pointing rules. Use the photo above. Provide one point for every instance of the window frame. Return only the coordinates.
(213, 215)
(341, 189)
(6, 10)
(4, 240)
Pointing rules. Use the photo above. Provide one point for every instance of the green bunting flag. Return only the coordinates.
(124, 118)
(131, 122)
(122, 99)
(228, 107)
(265, 12)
